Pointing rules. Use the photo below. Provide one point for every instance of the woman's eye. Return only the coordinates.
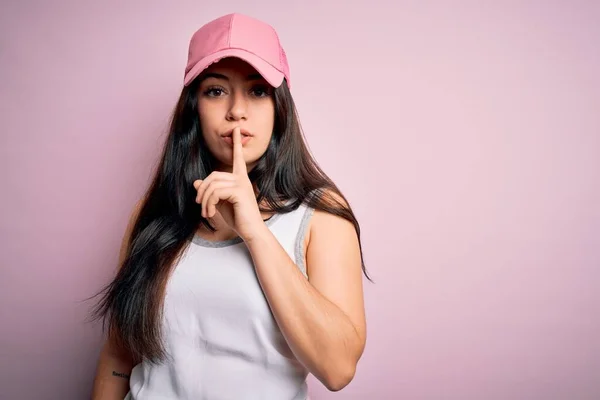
(260, 91)
(213, 92)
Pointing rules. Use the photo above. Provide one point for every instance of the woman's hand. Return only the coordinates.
(232, 195)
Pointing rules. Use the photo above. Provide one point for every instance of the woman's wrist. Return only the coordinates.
(259, 235)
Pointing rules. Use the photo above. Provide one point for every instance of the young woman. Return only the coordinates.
(241, 268)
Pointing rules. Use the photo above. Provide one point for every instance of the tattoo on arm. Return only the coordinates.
(120, 374)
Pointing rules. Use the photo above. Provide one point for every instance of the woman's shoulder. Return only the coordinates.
(326, 226)
(332, 244)
(322, 219)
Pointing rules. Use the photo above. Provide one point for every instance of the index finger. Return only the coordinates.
(239, 164)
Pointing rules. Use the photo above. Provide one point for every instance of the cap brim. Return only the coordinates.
(271, 74)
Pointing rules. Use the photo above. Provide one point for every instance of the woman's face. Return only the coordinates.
(232, 93)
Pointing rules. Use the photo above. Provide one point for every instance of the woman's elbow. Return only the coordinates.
(339, 367)
(339, 378)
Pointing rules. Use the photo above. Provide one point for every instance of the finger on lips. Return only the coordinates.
(239, 164)
(210, 190)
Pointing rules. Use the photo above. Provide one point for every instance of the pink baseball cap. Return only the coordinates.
(237, 35)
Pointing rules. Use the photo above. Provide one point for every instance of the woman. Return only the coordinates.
(241, 269)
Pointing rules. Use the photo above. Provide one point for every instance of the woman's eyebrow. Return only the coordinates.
(213, 75)
(254, 77)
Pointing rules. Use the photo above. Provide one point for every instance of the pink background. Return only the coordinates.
(466, 136)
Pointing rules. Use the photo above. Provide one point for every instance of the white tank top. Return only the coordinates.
(218, 330)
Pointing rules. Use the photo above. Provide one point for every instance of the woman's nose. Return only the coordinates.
(238, 108)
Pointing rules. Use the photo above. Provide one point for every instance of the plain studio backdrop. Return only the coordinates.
(466, 136)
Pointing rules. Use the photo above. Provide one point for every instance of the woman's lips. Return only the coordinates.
(228, 136)
(229, 139)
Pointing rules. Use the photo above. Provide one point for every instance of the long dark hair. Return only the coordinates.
(286, 176)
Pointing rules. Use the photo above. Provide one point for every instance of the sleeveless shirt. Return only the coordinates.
(221, 338)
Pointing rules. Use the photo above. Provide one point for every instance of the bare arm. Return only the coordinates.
(114, 363)
(322, 318)
(112, 374)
